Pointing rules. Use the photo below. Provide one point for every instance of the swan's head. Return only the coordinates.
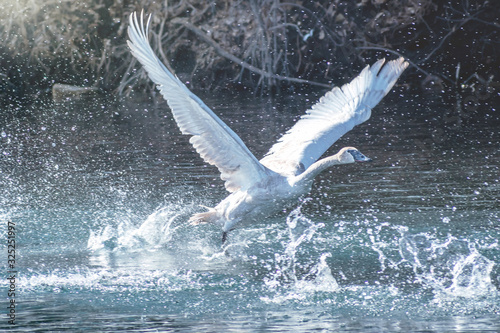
(351, 155)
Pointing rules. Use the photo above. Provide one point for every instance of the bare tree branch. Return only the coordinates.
(240, 62)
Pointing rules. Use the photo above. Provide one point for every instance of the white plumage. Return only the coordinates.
(259, 188)
(335, 114)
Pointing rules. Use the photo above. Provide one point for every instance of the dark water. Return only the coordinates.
(100, 195)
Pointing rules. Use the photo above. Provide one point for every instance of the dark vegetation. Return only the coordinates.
(260, 45)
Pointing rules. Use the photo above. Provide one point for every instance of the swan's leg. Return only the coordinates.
(224, 237)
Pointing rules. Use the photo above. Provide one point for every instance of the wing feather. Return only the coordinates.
(336, 113)
(216, 143)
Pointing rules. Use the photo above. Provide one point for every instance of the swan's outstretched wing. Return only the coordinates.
(335, 114)
(211, 137)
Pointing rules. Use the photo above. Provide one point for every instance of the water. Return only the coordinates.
(100, 195)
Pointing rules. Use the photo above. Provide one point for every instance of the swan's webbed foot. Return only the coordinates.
(224, 237)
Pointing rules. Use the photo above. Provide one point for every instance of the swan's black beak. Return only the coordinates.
(358, 157)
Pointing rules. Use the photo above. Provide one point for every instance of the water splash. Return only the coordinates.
(156, 231)
(107, 280)
(451, 267)
(319, 278)
(384, 241)
(289, 278)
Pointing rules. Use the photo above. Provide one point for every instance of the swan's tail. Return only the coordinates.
(211, 216)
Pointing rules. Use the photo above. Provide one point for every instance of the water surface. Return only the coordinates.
(100, 194)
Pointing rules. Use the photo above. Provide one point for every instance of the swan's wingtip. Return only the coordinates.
(401, 62)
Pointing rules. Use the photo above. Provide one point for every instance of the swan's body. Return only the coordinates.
(260, 188)
(271, 194)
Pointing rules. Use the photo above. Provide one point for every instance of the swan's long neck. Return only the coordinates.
(306, 178)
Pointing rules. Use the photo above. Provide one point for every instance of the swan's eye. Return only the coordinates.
(354, 152)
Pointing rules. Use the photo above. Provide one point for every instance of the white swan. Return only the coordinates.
(260, 188)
